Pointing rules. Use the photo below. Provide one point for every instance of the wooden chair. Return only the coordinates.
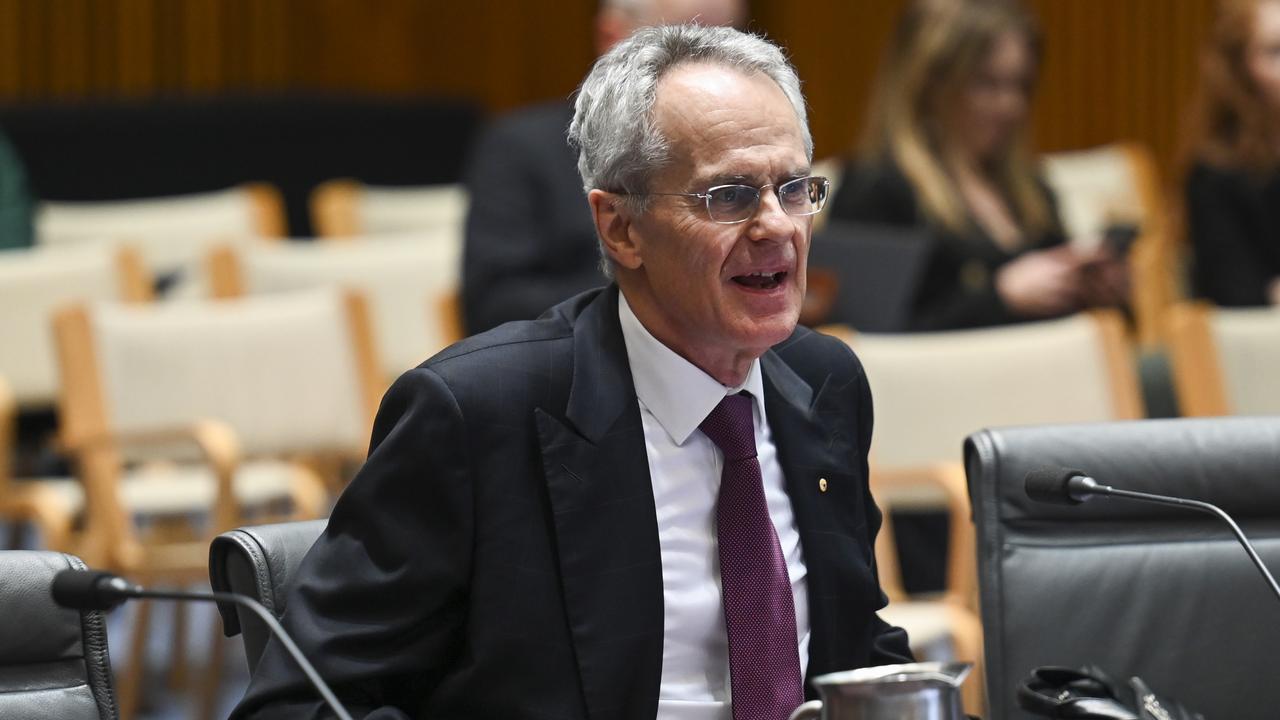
(1121, 183)
(33, 283)
(206, 410)
(1225, 359)
(409, 281)
(342, 208)
(931, 391)
(172, 233)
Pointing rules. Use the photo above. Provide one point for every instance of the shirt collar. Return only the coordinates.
(678, 393)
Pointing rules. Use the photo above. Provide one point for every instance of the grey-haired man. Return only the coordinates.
(650, 502)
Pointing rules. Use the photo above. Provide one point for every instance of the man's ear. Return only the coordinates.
(614, 225)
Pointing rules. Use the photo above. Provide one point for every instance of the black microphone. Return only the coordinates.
(1060, 486)
(97, 590)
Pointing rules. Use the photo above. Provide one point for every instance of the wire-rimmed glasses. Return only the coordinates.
(732, 204)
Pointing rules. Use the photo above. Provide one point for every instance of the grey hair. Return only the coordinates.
(619, 144)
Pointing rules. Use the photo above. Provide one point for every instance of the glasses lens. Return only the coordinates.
(803, 196)
(732, 203)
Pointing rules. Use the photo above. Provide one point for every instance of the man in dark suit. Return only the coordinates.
(530, 239)
(653, 500)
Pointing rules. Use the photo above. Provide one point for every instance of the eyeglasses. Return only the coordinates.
(732, 204)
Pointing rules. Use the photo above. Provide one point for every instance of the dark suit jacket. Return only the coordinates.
(497, 556)
(1233, 220)
(957, 288)
(530, 239)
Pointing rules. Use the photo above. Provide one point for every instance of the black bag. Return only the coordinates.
(1088, 694)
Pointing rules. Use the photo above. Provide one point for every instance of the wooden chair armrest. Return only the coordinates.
(949, 478)
(216, 441)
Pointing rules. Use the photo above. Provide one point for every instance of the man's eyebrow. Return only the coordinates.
(753, 181)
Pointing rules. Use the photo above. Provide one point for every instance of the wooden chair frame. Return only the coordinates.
(226, 280)
(1197, 371)
(169, 550)
(334, 212)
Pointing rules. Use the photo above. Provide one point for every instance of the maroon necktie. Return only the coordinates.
(759, 610)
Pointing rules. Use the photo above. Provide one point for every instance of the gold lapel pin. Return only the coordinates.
(822, 484)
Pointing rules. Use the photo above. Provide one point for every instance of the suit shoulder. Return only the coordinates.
(817, 357)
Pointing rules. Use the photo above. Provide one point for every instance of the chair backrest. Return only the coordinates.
(1137, 589)
(171, 232)
(934, 389)
(1225, 360)
(33, 283)
(1121, 183)
(877, 269)
(259, 562)
(341, 208)
(1100, 185)
(55, 659)
(405, 278)
(289, 373)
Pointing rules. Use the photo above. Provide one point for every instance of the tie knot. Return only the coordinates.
(731, 427)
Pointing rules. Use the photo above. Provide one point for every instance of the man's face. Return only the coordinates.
(711, 289)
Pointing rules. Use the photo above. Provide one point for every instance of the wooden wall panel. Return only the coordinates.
(1116, 69)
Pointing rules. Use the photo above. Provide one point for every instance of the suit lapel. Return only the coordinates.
(601, 497)
(812, 447)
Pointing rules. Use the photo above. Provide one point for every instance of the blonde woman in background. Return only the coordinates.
(1233, 185)
(945, 146)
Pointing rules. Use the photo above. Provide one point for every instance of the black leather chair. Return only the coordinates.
(877, 269)
(53, 661)
(1137, 589)
(258, 562)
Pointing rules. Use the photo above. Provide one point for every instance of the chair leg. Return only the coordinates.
(966, 637)
(130, 690)
(178, 648)
(211, 682)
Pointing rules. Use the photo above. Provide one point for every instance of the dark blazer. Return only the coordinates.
(1234, 224)
(530, 239)
(957, 287)
(497, 556)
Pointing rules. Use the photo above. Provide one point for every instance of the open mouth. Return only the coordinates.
(761, 280)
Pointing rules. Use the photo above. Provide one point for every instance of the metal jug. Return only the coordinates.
(918, 691)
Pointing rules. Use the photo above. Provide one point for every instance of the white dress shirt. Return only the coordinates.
(684, 466)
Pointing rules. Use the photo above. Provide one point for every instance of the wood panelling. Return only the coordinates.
(1115, 69)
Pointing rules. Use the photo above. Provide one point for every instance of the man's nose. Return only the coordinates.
(770, 220)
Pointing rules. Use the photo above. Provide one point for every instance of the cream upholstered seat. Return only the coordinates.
(245, 386)
(1225, 360)
(1121, 183)
(341, 208)
(932, 390)
(172, 233)
(409, 281)
(33, 283)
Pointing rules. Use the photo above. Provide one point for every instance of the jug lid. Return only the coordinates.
(951, 673)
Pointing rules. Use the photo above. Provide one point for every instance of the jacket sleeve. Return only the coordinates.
(380, 599)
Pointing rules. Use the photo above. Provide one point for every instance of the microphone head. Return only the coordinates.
(86, 590)
(1052, 485)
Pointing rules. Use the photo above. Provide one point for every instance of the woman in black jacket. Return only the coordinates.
(945, 147)
(1233, 184)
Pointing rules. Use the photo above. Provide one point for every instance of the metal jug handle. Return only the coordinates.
(811, 709)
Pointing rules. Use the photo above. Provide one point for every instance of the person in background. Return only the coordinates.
(15, 199)
(945, 146)
(530, 242)
(1233, 181)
